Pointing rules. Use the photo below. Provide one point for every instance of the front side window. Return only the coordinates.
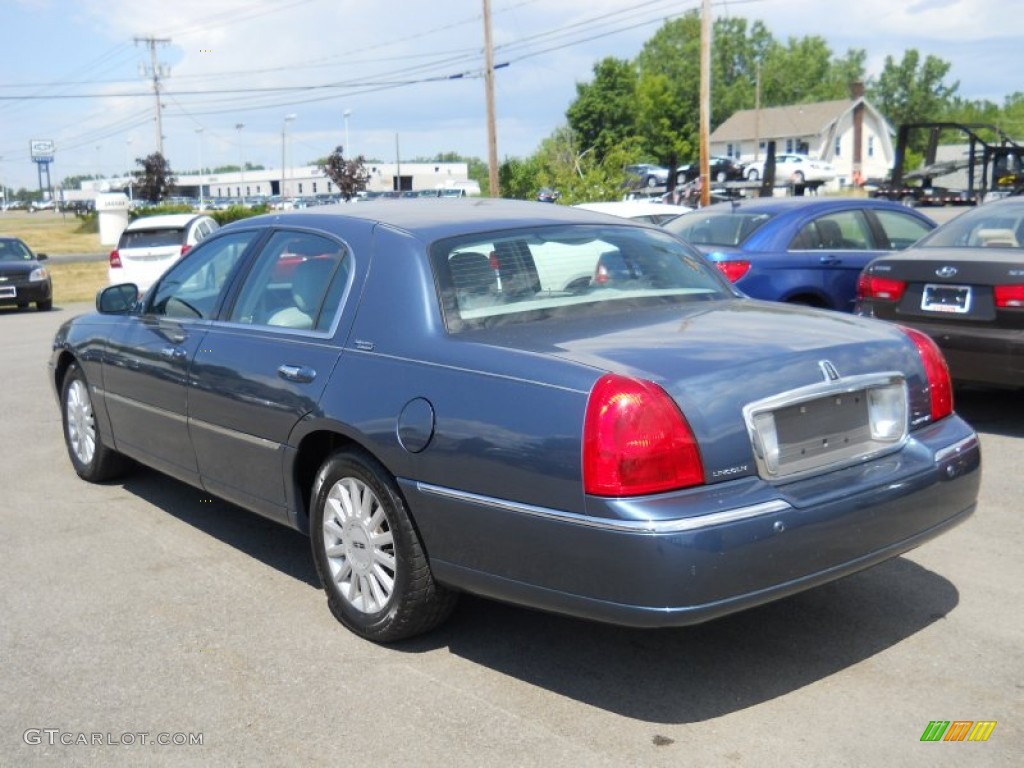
(193, 288)
(14, 250)
(297, 282)
(541, 272)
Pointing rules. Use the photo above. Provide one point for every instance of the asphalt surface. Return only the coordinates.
(144, 607)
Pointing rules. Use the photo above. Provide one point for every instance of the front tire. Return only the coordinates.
(92, 460)
(368, 554)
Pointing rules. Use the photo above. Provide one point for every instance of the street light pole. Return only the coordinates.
(199, 133)
(241, 165)
(284, 153)
(348, 148)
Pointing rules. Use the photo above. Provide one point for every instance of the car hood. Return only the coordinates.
(18, 268)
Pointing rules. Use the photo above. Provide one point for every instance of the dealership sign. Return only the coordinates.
(42, 150)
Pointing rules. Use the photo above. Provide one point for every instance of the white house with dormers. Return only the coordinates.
(850, 134)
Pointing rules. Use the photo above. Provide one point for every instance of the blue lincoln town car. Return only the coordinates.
(542, 405)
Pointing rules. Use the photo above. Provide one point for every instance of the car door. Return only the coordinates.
(264, 365)
(827, 255)
(145, 370)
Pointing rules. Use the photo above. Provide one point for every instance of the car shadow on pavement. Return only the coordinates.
(680, 675)
(693, 674)
(271, 543)
(992, 411)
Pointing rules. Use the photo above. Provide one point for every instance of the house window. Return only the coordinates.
(314, 187)
(330, 187)
(789, 145)
(728, 150)
(837, 152)
(300, 187)
(871, 146)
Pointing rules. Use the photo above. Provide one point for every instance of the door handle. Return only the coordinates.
(830, 261)
(173, 353)
(300, 373)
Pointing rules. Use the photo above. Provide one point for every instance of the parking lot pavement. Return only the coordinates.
(145, 608)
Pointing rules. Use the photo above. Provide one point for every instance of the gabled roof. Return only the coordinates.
(782, 122)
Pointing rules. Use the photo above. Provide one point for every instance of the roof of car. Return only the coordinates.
(431, 219)
(167, 221)
(783, 204)
(634, 208)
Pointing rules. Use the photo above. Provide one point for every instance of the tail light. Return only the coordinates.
(940, 386)
(1009, 296)
(880, 288)
(733, 270)
(115, 259)
(636, 441)
(185, 249)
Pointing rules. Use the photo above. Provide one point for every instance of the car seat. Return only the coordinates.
(309, 283)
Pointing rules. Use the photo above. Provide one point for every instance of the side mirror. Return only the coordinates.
(41, 257)
(117, 299)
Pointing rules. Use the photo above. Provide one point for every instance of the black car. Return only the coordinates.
(720, 169)
(23, 280)
(963, 285)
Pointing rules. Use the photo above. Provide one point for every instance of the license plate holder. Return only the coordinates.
(949, 299)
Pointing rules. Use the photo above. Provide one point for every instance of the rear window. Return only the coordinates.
(536, 273)
(995, 226)
(719, 228)
(151, 238)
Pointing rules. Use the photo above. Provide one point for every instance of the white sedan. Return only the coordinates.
(638, 210)
(795, 168)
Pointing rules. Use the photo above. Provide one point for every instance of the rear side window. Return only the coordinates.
(152, 238)
(901, 229)
(297, 282)
(844, 231)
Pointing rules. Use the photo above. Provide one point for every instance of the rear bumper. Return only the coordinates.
(975, 353)
(684, 558)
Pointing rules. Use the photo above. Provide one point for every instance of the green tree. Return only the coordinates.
(155, 180)
(604, 113)
(350, 176)
(913, 91)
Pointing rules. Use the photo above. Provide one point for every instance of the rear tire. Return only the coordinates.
(753, 175)
(368, 554)
(92, 460)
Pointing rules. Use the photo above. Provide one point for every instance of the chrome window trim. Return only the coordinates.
(842, 386)
(678, 525)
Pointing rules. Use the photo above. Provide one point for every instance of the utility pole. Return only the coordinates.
(156, 71)
(705, 103)
(492, 137)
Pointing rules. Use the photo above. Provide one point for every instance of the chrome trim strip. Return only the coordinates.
(950, 451)
(679, 525)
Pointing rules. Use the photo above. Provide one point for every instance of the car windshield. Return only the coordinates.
(992, 226)
(151, 238)
(716, 227)
(14, 250)
(539, 272)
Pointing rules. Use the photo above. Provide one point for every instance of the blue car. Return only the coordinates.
(539, 404)
(800, 250)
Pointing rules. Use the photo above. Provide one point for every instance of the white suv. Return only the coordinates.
(149, 245)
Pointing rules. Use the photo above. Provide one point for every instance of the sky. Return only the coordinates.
(245, 80)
